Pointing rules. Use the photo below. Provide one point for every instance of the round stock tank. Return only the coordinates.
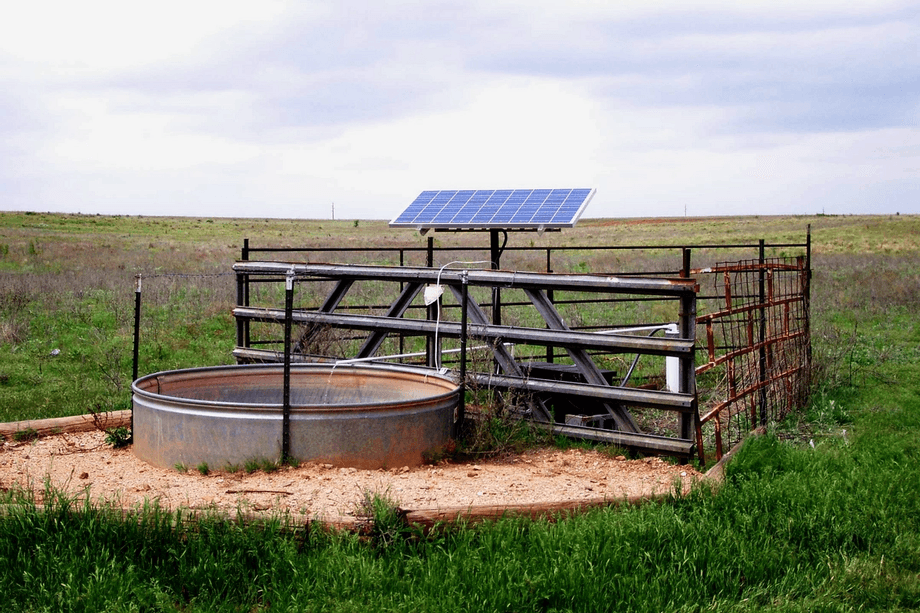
(363, 416)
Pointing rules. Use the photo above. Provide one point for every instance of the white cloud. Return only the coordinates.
(101, 134)
(238, 108)
(74, 40)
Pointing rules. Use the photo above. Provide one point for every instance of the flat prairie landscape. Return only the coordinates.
(821, 513)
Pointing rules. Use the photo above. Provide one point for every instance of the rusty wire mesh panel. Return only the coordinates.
(756, 346)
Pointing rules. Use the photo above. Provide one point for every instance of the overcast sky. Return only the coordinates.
(280, 109)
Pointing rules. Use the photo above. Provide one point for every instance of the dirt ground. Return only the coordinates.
(82, 464)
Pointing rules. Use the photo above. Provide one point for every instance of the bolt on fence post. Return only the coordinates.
(286, 396)
(137, 336)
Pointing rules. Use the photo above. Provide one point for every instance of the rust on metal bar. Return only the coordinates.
(748, 308)
(632, 396)
(710, 343)
(642, 442)
(748, 267)
(748, 349)
(480, 277)
(747, 391)
(718, 432)
(613, 343)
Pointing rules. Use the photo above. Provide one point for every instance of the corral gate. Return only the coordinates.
(753, 346)
(539, 382)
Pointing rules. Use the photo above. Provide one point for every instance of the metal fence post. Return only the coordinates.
(763, 334)
(241, 323)
(550, 357)
(807, 309)
(495, 255)
(687, 329)
(245, 294)
(286, 399)
(402, 337)
(461, 401)
(137, 337)
(431, 312)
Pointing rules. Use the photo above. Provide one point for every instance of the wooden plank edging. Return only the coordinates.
(76, 423)
(424, 518)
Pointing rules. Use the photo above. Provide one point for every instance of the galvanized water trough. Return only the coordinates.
(363, 416)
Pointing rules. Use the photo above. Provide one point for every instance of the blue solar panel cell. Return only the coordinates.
(473, 209)
(543, 216)
(415, 208)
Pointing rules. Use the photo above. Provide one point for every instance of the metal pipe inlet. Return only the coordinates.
(362, 416)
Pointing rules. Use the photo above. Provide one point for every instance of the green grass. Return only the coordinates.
(264, 464)
(821, 514)
(834, 527)
(67, 281)
(75, 355)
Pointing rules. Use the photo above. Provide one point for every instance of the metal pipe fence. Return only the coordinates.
(538, 385)
(753, 347)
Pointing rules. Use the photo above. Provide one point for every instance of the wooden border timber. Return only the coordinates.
(76, 423)
(426, 518)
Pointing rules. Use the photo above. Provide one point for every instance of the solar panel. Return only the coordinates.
(500, 208)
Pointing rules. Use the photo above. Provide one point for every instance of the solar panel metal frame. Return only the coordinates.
(536, 209)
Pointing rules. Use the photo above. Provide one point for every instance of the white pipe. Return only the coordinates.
(672, 364)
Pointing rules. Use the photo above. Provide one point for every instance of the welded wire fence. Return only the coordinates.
(756, 348)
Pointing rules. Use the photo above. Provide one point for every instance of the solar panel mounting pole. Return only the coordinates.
(464, 314)
(432, 312)
(496, 256)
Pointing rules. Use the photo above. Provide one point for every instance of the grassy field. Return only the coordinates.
(822, 514)
(67, 285)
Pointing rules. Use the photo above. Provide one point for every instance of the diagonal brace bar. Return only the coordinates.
(504, 358)
(586, 366)
(397, 309)
(329, 305)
